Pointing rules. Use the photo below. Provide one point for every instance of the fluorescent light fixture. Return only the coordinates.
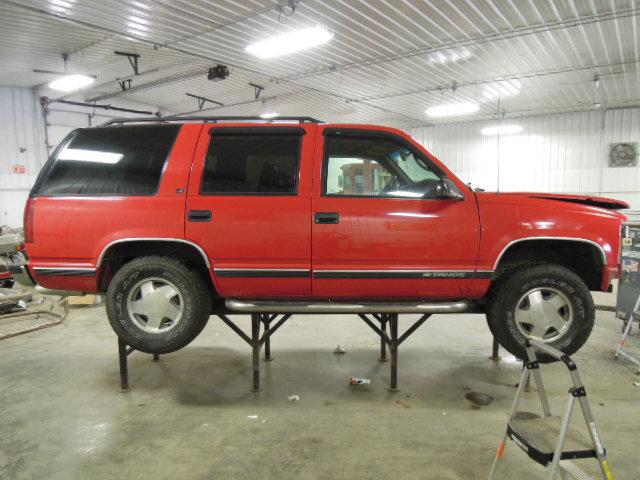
(69, 83)
(451, 55)
(94, 156)
(61, 6)
(502, 130)
(452, 109)
(58, 8)
(61, 3)
(290, 42)
(502, 88)
(268, 115)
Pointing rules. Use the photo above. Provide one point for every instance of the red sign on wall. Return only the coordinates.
(19, 169)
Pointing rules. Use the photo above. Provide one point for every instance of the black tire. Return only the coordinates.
(195, 301)
(507, 292)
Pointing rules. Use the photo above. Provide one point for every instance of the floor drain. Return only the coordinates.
(479, 398)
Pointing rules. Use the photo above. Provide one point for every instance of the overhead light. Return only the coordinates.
(70, 83)
(451, 55)
(290, 42)
(501, 130)
(268, 115)
(61, 6)
(93, 156)
(452, 109)
(502, 88)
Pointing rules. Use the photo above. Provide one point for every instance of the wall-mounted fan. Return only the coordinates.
(623, 154)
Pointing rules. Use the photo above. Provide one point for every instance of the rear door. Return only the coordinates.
(249, 207)
(379, 232)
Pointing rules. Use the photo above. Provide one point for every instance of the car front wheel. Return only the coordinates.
(157, 305)
(547, 302)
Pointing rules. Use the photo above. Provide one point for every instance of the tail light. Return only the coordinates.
(28, 220)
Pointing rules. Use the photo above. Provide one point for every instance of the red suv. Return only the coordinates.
(179, 219)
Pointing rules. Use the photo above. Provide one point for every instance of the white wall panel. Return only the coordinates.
(21, 143)
(554, 153)
(22, 140)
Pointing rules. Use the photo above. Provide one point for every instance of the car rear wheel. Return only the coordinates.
(544, 301)
(157, 305)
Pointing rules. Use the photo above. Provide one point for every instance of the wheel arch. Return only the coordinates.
(586, 258)
(120, 251)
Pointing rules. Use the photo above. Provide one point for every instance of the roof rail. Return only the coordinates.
(121, 121)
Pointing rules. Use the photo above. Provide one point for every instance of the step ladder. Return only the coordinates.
(551, 440)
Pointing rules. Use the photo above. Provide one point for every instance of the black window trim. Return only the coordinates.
(367, 133)
(44, 173)
(266, 130)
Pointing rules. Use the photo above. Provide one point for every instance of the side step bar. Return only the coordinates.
(336, 307)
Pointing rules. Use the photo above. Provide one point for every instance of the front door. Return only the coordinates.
(379, 231)
(249, 207)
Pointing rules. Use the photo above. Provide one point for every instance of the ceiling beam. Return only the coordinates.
(467, 42)
(519, 76)
(567, 108)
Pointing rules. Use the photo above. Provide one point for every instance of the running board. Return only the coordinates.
(335, 307)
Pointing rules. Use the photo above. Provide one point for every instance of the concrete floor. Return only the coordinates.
(63, 415)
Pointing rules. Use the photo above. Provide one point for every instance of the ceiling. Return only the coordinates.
(388, 61)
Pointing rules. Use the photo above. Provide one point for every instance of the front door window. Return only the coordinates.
(376, 167)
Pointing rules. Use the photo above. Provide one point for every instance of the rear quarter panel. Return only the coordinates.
(73, 231)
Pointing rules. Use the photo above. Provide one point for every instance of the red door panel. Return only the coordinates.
(395, 239)
(392, 248)
(259, 245)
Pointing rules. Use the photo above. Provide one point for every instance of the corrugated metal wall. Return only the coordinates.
(21, 143)
(554, 153)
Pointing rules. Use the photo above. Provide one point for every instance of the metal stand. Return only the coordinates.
(124, 351)
(534, 434)
(383, 346)
(391, 339)
(495, 350)
(256, 340)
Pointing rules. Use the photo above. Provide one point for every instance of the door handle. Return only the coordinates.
(326, 217)
(199, 215)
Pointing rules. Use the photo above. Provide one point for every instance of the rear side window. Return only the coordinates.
(110, 161)
(264, 163)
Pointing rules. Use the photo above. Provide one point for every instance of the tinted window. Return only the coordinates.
(110, 161)
(252, 163)
(378, 167)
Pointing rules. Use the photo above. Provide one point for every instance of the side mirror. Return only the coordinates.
(447, 190)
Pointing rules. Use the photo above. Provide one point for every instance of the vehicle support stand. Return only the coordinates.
(383, 346)
(256, 340)
(124, 351)
(391, 340)
(495, 350)
(266, 320)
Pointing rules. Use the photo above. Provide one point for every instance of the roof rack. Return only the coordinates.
(121, 121)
